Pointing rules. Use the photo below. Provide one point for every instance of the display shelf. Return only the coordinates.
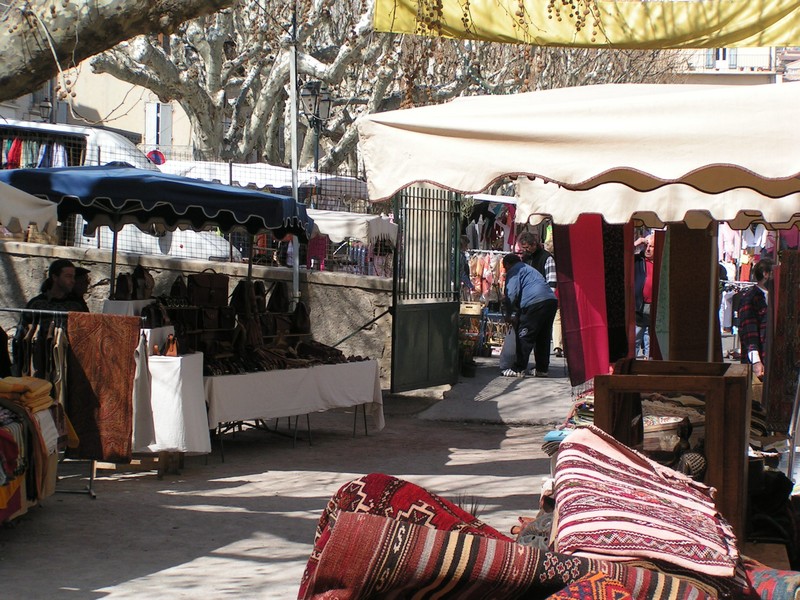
(725, 387)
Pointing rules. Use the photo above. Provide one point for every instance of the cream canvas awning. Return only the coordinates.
(711, 138)
(620, 204)
(19, 209)
(339, 226)
(622, 23)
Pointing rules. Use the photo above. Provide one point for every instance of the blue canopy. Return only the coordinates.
(116, 195)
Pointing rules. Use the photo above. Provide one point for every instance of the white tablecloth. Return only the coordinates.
(179, 408)
(131, 308)
(291, 392)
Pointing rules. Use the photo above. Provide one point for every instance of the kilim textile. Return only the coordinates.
(772, 584)
(582, 297)
(614, 502)
(597, 586)
(100, 385)
(388, 496)
(370, 556)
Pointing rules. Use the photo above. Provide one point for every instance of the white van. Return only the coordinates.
(78, 145)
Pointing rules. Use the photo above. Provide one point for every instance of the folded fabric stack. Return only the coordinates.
(31, 392)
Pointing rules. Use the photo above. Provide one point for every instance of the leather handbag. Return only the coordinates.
(143, 283)
(208, 289)
(301, 321)
(154, 315)
(170, 347)
(209, 318)
(243, 299)
(123, 290)
(179, 289)
(227, 318)
(279, 298)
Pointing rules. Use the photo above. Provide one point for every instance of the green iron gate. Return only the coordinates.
(426, 289)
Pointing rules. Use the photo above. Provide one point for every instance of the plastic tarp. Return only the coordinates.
(621, 23)
(339, 226)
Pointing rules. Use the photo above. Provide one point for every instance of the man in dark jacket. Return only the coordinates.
(534, 305)
(753, 311)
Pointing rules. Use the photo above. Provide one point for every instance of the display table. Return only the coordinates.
(131, 308)
(292, 392)
(179, 410)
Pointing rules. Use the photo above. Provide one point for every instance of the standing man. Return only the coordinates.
(753, 318)
(57, 289)
(534, 254)
(533, 305)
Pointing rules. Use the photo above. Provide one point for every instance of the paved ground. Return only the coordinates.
(244, 528)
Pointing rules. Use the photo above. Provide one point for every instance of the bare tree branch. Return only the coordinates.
(40, 37)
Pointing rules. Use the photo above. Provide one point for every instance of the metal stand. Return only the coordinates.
(355, 419)
(89, 489)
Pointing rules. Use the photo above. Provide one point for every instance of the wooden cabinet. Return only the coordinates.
(727, 418)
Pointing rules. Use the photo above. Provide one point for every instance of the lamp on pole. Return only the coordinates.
(45, 110)
(315, 102)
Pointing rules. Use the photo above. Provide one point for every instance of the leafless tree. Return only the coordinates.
(39, 38)
(230, 72)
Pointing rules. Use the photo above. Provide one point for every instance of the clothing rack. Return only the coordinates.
(89, 489)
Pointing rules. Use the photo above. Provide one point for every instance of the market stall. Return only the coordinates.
(119, 195)
(600, 151)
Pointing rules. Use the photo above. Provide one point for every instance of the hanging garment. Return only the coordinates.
(100, 387)
(581, 286)
(14, 155)
(5, 358)
(144, 432)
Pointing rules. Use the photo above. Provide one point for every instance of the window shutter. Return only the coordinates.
(165, 122)
(151, 124)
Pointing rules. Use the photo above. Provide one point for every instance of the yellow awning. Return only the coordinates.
(622, 24)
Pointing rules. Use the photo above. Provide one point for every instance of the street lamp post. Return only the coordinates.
(316, 108)
(45, 110)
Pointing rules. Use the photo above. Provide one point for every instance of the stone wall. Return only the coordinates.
(339, 303)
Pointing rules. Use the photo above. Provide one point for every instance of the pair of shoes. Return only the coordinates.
(540, 374)
(513, 373)
(559, 353)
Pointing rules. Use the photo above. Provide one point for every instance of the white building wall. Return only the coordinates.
(101, 99)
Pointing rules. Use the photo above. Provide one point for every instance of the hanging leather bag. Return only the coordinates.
(123, 290)
(208, 289)
(279, 298)
(143, 283)
(179, 289)
(301, 320)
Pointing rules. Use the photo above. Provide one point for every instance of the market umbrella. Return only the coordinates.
(711, 138)
(117, 195)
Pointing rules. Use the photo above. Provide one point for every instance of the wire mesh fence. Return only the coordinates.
(39, 145)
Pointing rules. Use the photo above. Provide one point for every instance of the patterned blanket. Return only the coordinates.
(380, 494)
(370, 556)
(613, 502)
(421, 538)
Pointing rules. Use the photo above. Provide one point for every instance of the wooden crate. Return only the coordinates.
(727, 419)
